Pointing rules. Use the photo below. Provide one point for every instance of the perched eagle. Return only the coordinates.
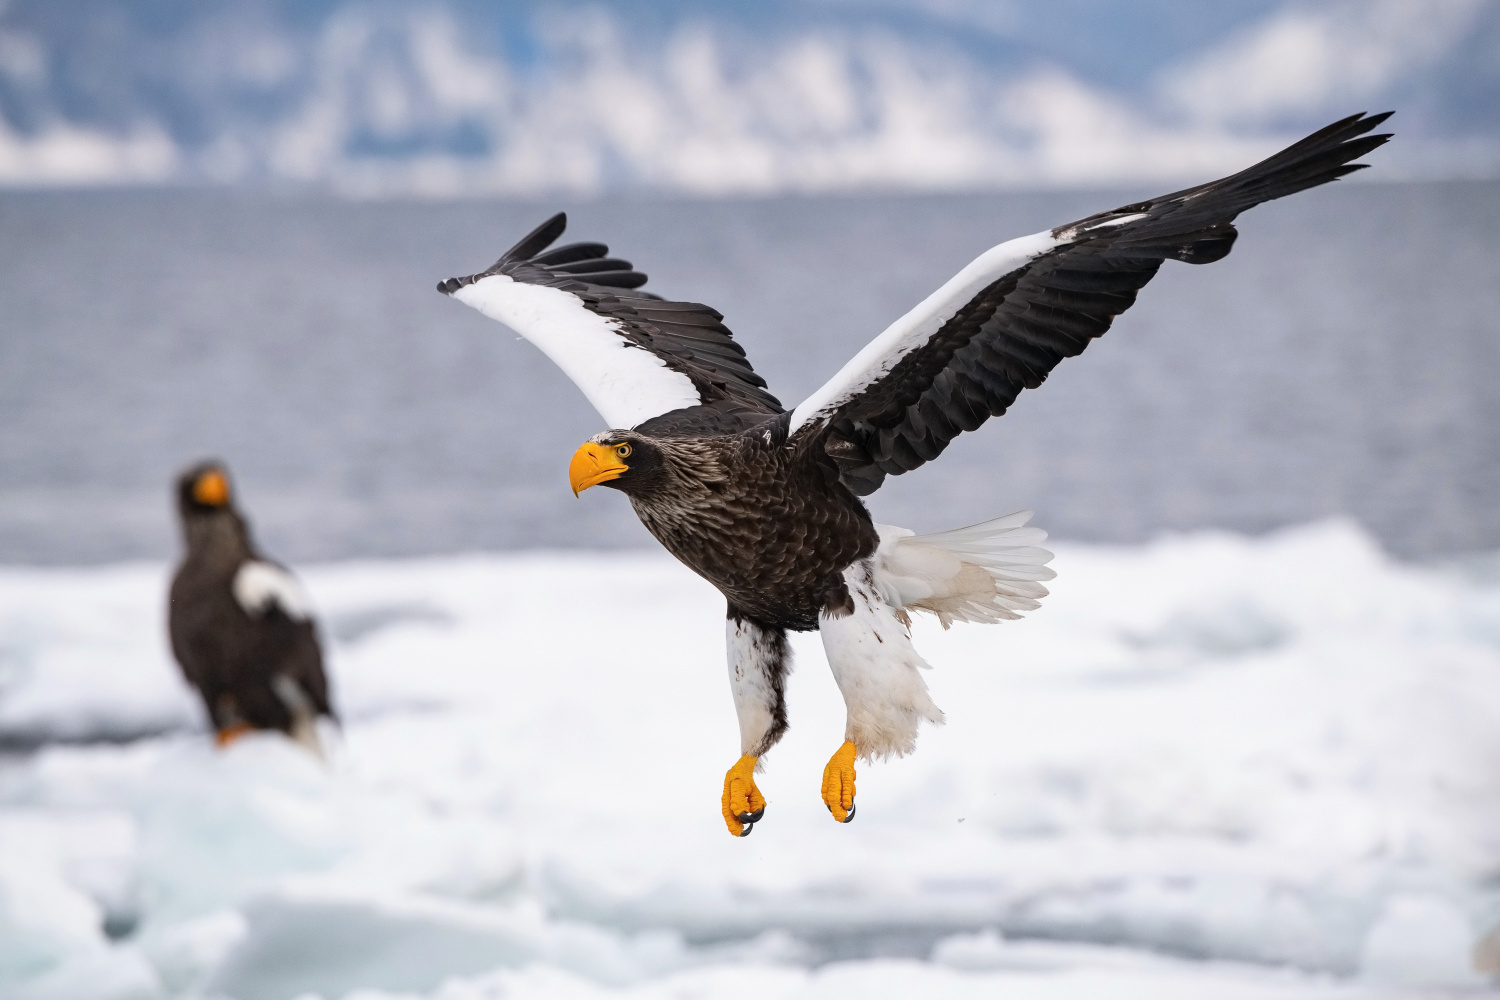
(241, 626)
(764, 503)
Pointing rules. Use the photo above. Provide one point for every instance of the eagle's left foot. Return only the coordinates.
(743, 804)
(838, 783)
(232, 732)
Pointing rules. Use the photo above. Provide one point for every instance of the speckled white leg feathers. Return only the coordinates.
(877, 669)
(759, 660)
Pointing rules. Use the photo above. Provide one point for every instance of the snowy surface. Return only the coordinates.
(1208, 767)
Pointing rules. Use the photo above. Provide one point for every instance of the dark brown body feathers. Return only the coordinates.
(767, 528)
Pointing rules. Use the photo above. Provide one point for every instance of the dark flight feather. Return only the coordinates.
(688, 337)
(1015, 331)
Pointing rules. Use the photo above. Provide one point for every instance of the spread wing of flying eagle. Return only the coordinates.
(241, 625)
(765, 504)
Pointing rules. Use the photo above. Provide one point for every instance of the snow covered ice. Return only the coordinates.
(1209, 767)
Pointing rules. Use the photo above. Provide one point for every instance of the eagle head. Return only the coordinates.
(621, 460)
(203, 489)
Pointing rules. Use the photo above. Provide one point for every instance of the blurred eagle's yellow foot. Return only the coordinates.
(230, 733)
(743, 804)
(838, 783)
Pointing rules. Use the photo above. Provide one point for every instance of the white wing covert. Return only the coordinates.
(260, 586)
(917, 327)
(1005, 321)
(636, 356)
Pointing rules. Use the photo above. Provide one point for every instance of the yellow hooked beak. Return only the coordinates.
(211, 489)
(597, 463)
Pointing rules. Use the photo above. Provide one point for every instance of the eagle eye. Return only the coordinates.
(623, 450)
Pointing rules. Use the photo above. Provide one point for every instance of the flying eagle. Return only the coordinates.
(765, 504)
(241, 625)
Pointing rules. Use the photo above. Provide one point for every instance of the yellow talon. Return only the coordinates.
(743, 804)
(232, 732)
(838, 783)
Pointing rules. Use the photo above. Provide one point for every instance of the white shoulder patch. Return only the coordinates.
(627, 384)
(914, 329)
(258, 585)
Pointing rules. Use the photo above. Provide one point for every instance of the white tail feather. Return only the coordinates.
(985, 572)
(304, 714)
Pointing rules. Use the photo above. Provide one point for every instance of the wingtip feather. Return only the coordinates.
(538, 239)
(530, 245)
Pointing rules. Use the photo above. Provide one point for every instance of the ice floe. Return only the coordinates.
(1210, 766)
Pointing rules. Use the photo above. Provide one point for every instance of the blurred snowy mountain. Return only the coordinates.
(457, 96)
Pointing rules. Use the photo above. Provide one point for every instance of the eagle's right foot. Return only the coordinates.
(838, 783)
(743, 804)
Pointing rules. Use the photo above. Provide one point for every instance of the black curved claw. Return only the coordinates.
(748, 818)
(748, 827)
(850, 814)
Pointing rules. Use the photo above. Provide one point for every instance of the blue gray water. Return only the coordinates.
(1343, 360)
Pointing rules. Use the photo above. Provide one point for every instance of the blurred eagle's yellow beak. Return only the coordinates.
(211, 489)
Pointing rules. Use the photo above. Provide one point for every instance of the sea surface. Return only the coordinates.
(1343, 360)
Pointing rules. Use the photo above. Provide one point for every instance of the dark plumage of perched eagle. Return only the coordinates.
(764, 502)
(241, 625)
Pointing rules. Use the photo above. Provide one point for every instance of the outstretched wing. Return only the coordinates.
(637, 357)
(1007, 319)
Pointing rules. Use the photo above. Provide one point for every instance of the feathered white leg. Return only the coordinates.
(879, 673)
(759, 660)
(986, 572)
